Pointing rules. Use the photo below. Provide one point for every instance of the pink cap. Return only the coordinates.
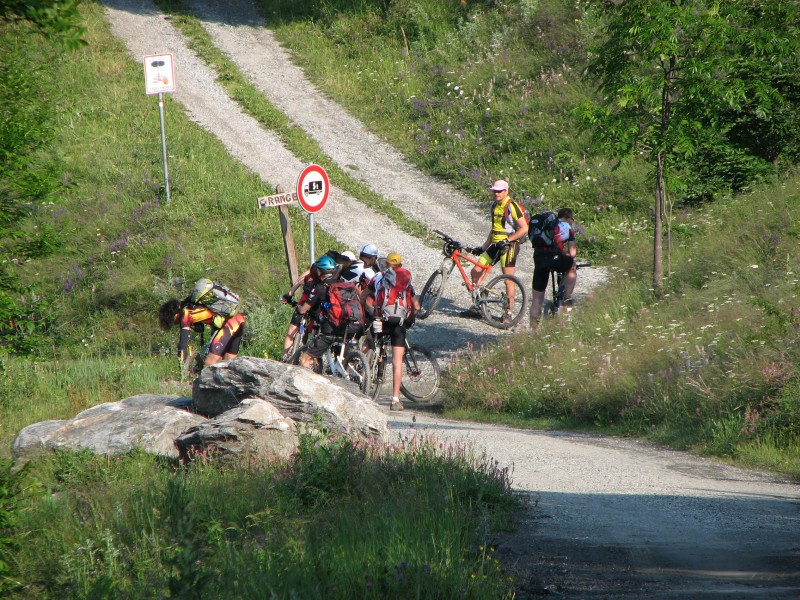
(499, 185)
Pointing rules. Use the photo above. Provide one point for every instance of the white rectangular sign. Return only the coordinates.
(159, 73)
(277, 200)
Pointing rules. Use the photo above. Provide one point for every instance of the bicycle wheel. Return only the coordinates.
(421, 375)
(494, 302)
(356, 365)
(431, 294)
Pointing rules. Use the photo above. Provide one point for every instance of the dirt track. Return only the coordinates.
(609, 518)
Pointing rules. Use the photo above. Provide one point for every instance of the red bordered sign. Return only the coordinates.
(159, 73)
(313, 188)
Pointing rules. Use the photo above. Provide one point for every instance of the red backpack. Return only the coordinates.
(345, 305)
(393, 301)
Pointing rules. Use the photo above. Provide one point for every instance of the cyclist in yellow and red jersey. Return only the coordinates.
(226, 331)
(509, 225)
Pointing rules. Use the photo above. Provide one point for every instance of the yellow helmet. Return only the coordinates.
(394, 259)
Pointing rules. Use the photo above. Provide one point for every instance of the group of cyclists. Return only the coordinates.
(382, 286)
(386, 301)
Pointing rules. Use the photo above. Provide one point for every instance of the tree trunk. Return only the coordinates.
(658, 260)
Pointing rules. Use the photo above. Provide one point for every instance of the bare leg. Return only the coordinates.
(570, 277)
(537, 301)
(476, 274)
(510, 289)
(397, 369)
(289, 339)
(211, 359)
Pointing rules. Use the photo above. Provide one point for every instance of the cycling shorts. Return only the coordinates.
(547, 262)
(397, 334)
(228, 338)
(506, 256)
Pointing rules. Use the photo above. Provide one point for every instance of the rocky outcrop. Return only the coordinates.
(147, 421)
(244, 406)
(254, 427)
(297, 393)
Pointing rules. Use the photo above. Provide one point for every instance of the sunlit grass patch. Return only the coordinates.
(338, 520)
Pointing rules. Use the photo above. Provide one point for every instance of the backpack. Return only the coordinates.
(393, 301)
(542, 229)
(509, 223)
(215, 297)
(344, 304)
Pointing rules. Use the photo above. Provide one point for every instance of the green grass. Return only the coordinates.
(469, 92)
(339, 520)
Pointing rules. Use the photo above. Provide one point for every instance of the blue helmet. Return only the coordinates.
(325, 263)
(327, 269)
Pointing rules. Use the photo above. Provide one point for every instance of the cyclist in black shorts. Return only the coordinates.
(560, 257)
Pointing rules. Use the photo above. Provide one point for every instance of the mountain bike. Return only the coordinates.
(421, 373)
(492, 299)
(557, 281)
(342, 359)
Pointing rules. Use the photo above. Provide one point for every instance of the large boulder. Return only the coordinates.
(147, 421)
(297, 393)
(254, 427)
(246, 406)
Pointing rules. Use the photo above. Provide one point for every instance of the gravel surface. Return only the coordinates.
(608, 518)
(614, 518)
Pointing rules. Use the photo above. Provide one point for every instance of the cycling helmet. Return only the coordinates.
(325, 263)
(326, 268)
(394, 259)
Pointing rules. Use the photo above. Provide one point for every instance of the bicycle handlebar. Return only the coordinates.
(449, 241)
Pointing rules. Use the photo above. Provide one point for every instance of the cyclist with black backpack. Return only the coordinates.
(554, 249)
(335, 306)
(306, 282)
(212, 304)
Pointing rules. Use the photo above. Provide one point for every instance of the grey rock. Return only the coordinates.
(297, 393)
(254, 427)
(148, 421)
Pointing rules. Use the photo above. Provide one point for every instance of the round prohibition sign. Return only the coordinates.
(313, 188)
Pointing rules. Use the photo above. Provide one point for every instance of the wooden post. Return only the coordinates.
(288, 240)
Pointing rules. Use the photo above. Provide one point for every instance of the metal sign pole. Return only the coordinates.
(164, 144)
(311, 256)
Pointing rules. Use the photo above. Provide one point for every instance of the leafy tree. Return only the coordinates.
(680, 77)
(57, 18)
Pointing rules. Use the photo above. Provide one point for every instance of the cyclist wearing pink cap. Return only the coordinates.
(509, 225)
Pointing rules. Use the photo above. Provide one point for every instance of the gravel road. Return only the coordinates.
(608, 518)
